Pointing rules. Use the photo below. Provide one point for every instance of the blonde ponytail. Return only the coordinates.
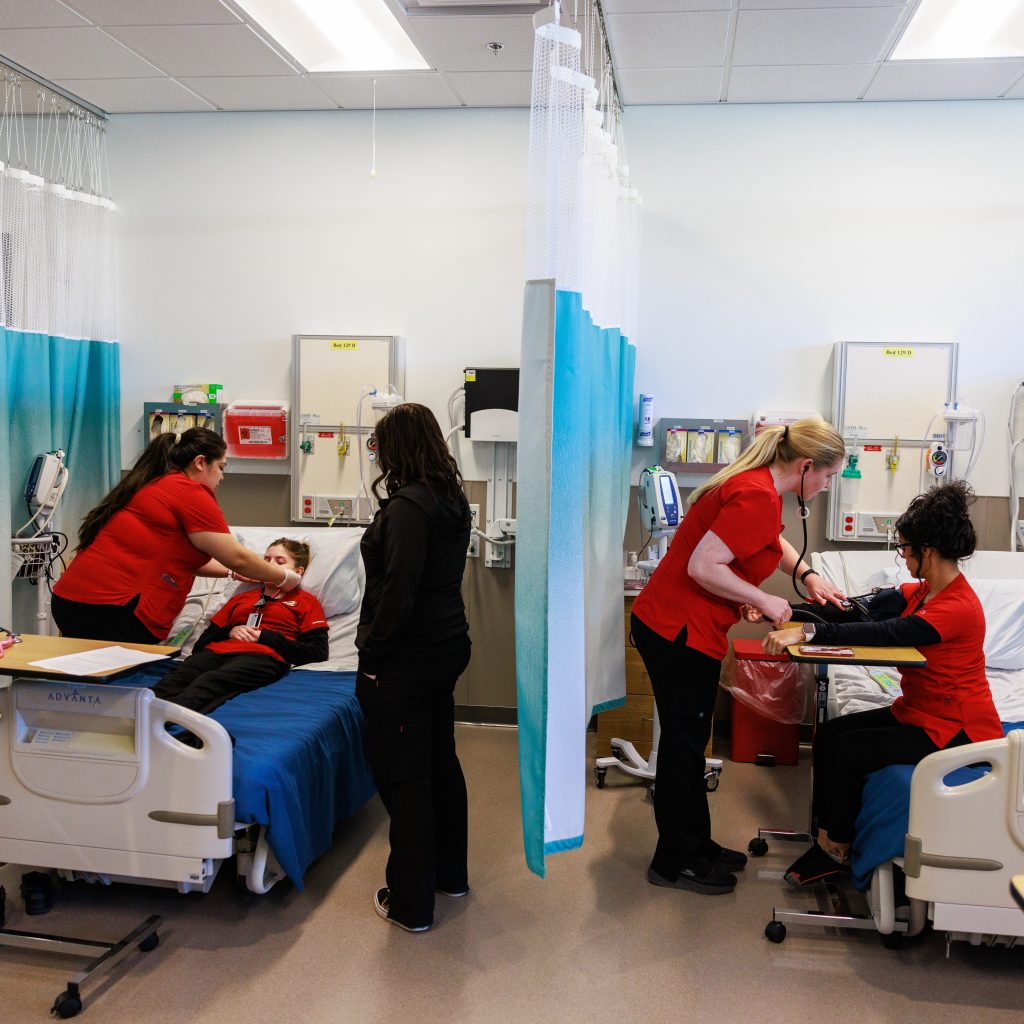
(811, 438)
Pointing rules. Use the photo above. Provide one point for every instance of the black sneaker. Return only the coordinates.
(812, 867)
(382, 904)
(700, 876)
(723, 857)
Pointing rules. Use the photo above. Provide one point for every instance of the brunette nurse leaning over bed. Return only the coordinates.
(730, 542)
(141, 548)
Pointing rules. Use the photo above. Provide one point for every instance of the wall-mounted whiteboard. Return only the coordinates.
(885, 399)
(330, 373)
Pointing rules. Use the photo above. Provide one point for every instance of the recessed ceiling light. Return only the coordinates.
(337, 35)
(962, 30)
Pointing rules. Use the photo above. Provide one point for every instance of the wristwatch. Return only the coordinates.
(809, 629)
(806, 573)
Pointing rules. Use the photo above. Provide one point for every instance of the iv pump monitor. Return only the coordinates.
(669, 499)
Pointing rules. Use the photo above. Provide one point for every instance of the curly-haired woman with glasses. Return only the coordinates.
(946, 703)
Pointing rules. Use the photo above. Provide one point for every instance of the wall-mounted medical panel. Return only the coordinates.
(332, 375)
(884, 402)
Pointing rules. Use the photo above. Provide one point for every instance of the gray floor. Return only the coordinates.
(594, 942)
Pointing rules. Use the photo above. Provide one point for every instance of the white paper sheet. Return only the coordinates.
(104, 659)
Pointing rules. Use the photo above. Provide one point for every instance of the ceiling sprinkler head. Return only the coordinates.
(495, 48)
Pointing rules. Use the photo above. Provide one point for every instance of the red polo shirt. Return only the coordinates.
(144, 549)
(290, 615)
(746, 513)
(951, 692)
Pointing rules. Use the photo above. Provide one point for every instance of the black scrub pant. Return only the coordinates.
(205, 680)
(685, 684)
(114, 622)
(410, 724)
(849, 748)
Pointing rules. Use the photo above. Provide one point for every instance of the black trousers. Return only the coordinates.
(848, 749)
(114, 622)
(410, 723)
(205, 680)
(685, 684)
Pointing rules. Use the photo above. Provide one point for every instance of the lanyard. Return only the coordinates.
(256, 616)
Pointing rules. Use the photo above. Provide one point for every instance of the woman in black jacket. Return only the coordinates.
(413, 641)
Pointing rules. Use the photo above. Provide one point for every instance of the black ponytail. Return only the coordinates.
(164, 453)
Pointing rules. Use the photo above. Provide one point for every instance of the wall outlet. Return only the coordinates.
(473, 551)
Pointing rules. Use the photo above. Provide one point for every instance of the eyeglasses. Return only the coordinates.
(902, 549)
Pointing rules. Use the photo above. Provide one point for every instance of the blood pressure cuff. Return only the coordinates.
(880, 604)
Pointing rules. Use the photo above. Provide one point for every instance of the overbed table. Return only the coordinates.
(838, 915)
(16, 661)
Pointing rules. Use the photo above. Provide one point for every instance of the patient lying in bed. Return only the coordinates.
(254, 640)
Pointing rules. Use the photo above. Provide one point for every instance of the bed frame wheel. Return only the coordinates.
(149, 943)
(66, 1005)
(599, 776)
(711, 781)
(757, 847)
(775, 931)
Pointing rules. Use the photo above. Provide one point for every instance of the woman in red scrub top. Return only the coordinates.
(947, 703)
(729, 542)
(141, 548)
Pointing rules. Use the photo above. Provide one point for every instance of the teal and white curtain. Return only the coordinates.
(575, 416)
(59, 376)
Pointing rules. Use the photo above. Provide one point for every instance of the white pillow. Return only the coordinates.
(1003, 602)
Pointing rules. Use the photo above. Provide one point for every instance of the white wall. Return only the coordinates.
(240, 230)
(770, 232)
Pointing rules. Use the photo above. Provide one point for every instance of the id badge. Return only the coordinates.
(254, 620)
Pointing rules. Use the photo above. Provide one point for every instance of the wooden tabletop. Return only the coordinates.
(901, 657)
(16, 659)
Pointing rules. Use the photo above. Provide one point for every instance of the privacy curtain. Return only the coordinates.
(59, 369)
(575, 415)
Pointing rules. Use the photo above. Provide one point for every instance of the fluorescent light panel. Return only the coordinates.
(962, 30)
(337, 35)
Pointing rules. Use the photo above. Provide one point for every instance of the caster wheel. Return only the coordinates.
(149, 943)
(775, 931)
(599, 776)
(66, 1005)
(711, 782)
(893, 941)
(757, 847)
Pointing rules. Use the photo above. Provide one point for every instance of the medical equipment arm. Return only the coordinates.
(228, 552)
(307, 648)
(709, 566)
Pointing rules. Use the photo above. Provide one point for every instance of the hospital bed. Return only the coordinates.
(98, 785)
(954, 824)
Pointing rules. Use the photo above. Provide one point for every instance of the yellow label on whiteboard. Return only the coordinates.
(899, 351)
(344, 346)
(471, 376)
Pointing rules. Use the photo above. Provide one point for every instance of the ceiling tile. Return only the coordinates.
(848, 35)
(155, 12)
(493, 88)
(395, 91)
(460, 43)
(804, 83)
(663, 6)
(135, 95)
(72, 53)
(946, 80)
(211, 51)
(669, 85)
(278, 92)
(668, 40)
(37, 14)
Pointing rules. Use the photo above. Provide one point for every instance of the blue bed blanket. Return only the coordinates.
(299, 765)
(885, 812)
